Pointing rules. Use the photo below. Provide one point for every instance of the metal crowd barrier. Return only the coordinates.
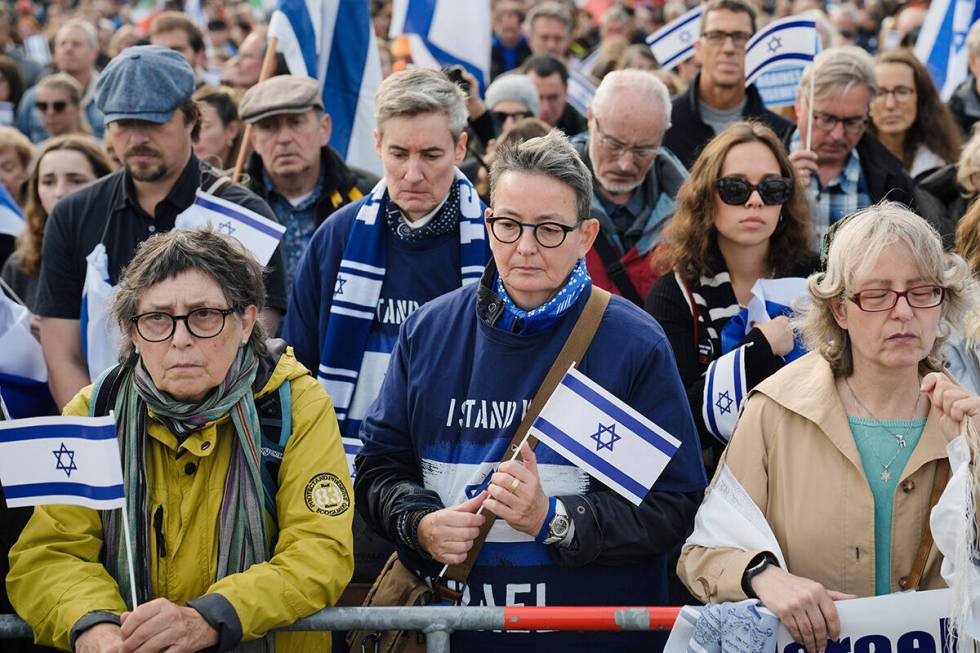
(438, 623)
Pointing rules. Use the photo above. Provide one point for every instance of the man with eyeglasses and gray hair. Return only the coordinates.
(718, 96)
(634, 179)
(844, 168)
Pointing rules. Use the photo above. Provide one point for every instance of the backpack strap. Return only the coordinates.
(104, 391)
(615, 270)
(276, 419)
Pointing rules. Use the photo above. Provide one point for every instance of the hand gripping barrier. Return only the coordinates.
(439, 622)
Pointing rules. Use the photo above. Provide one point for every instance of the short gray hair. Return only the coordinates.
(839, 69)
(420, 90)
(854, 250)
(83, 25)
(552, 156)
(164, 256)
(554, 10)
(973, 40)
(643, 82)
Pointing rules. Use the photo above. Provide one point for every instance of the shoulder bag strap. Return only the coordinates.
(693, 305)
(572, 352)
(615, 270)
(911, 582)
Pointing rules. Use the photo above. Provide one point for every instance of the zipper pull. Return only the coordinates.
(158, 527)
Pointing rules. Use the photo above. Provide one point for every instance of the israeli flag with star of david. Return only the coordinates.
(257, 233)
(673, 43)
(791, 40)
(61, 460)
(595, 430)
(724, 389)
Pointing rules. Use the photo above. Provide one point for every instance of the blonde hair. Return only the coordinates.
(856, 247)
(969, 162)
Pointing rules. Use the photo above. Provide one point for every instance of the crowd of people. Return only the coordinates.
(293, 430)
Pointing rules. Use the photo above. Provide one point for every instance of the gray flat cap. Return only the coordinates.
(144, 82)
(278, 95)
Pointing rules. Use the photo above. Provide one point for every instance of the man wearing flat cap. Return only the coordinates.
(91, 235)
(292, 167)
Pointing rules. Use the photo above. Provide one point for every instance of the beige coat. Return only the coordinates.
(793, 452)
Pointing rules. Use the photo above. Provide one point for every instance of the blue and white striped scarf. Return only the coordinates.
(359, 281)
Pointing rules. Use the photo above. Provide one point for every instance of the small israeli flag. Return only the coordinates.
(602, 435)
(673, 43)
(724, 389)
(23, 374)
(770, 299)
(791, 39)
(67, 460)
(581, 90)
(258, 234)
(11, 218)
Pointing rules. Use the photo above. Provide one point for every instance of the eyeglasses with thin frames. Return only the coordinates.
(901, 94)
(717, 37)
(618, 149)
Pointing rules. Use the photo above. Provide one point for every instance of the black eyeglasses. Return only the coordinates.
(717, 37)
(737, 190)
(57, 106)
(548, 234)
(158, 326)
(827, 121)
(500, 117)
(883, 299)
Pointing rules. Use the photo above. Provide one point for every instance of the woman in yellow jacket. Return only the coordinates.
(840, 451)
(235, 534)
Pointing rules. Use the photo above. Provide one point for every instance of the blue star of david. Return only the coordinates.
(603, 443)
(226, 228)
(774, 44)
(685, 37)
(71, 466)
(338, 288)
(724, 403)
(473, 490)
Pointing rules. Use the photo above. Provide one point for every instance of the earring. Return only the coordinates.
(244, 342)
(136, 350)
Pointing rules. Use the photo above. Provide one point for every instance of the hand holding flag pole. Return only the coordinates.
(268, 66)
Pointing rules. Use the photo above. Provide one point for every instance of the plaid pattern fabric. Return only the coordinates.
(842, 196)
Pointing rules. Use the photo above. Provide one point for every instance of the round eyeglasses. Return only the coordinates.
(158, 326)
(548, 234)
(883, 299)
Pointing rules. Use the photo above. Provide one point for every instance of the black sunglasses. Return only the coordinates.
(57, 106)
(738, 190)
(500, 117)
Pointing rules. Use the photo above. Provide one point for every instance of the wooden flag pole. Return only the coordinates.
(268, 66)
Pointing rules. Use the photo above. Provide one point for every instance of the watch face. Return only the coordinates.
(559, 526)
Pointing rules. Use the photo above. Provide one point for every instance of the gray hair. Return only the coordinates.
(553, 10)
(642, 82)
(552, 156)
(420, 90)
(80, 24)
(517, 88)
(615, 13)
(973, 40)
(969, 162)
(165, 255)
(854, 250)
(839, 69)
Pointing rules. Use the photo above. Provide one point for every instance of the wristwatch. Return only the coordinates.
(559, 524)
(755, 568)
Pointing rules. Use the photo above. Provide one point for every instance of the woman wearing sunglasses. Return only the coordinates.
(59, 101)
(740, 217)
(843, 452)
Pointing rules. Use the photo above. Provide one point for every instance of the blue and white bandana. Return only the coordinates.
(517, 320)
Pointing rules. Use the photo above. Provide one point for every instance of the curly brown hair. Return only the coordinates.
(691, 238)
(29, 242)
(934, 124)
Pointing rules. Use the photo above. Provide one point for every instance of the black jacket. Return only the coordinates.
(943, 186)
(339, 179)
(965, 105)
(688, 134)
(497, 65)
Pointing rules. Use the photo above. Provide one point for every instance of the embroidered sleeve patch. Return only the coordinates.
(326, 495)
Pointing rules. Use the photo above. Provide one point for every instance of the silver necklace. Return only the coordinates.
(900, 438)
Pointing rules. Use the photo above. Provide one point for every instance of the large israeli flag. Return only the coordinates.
(788, 40)
(11, 218)
(257, 233)
(446, 33)
(333, 41)
(941, 45)
(673, 43)
(592, 428)
(73, 460)
(23, 374)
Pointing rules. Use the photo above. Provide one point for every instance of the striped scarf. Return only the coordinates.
(362, 274)
(242, 538)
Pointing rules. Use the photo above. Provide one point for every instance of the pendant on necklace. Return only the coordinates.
(901, 442)
(886, 475)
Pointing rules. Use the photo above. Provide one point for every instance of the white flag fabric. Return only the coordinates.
(787, 40)
(72, 460)
(594, 429)
(673, 43)
(11, 218)
(257, 233)
(446, 33)
(941, 45)
(724, 390)
(581, 90)
(22, 356)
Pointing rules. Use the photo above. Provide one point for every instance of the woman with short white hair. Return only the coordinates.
(841, 450)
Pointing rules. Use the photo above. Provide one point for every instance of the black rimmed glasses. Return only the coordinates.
(900, 93)
(548, 234)
(618, 149)
(827, 121)
(875, 300)
(736, 190)
(158, 326)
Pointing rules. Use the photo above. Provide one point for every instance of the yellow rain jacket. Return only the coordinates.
(56, 577)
